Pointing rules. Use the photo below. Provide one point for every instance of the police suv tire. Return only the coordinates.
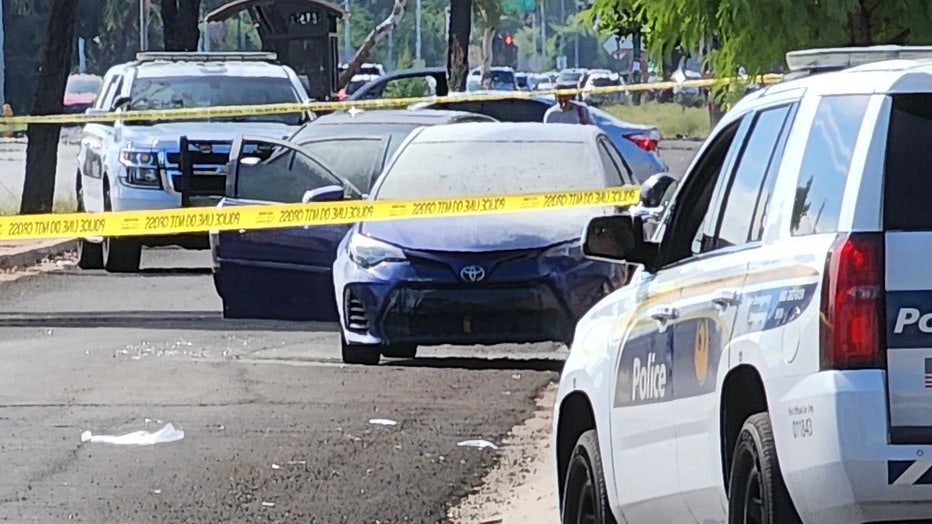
(90, 255)
(399, 351)
(121, 255)
(585, 498)
(363, 354)
(755, 473)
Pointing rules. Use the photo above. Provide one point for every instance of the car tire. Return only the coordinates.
(121, 255)
(364, 354)
(756, 491)
(399, 351)
(90, 255)
(585, 499)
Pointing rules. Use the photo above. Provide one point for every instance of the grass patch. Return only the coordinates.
(60, 205)
(673, 120)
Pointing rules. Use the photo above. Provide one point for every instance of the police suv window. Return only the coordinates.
(826, 163)
(745, 186)
(907, 189)
(766, 190)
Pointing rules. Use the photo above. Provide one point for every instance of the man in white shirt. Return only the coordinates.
(566, 110)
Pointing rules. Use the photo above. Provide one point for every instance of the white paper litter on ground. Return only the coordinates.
(137, 438)
(383, 422)
(476, 444)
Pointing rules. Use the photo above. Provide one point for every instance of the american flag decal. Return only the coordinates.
(928, 376)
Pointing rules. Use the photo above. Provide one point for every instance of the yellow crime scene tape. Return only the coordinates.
(204, 219)
(195, 113)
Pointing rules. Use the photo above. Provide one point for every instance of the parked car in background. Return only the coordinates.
(286, 273)
(638, 144)
(570, 76)
(80, 92)
(481, 279)
(501, 78)
(604, 80)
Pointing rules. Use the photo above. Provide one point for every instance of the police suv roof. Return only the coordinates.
(508, 132)
(158, 69)
(869, 77)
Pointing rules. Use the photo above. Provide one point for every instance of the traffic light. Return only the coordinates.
(509, 40)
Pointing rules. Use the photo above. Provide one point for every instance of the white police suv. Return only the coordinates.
(139, 165)
(771, 359)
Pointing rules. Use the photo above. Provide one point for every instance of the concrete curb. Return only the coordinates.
(31, 256)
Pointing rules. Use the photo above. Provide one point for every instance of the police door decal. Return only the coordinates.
(697, 348)
(645, 367)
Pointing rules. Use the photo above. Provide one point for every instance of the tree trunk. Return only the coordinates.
(42, 145)
(488, 41)
(171, 29)
(180, 19)
(458, 44)
(398, 11)
(859, 28)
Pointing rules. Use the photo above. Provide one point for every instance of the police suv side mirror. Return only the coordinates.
(119, 102)
(618, 238)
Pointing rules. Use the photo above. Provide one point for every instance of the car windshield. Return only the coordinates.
(453, 169)
(604, 82)
(568, 77)
(215, 90)
(83, 86)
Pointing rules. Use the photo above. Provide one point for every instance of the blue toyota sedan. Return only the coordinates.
(482, 279)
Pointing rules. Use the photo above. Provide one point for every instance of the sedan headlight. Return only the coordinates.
(368, 252)
(141, 167)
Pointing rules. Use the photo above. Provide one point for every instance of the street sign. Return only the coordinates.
(518, 6)
(615, 47)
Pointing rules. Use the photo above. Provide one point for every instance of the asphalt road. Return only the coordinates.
(275, 427)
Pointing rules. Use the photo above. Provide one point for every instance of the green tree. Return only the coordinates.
(757, 34)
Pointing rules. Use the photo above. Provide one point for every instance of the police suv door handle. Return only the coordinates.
(725, 297)
(664, 313)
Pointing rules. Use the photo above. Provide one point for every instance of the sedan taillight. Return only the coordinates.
(645, 142)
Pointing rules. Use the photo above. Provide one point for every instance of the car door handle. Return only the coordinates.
(664, 313)
(724, 298)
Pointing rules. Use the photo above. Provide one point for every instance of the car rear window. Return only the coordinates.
(907, 182)
(453, 169)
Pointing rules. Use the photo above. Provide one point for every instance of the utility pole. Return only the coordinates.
(143, 25)
(417, 40)
(562, 36)
(576, 42)
(347, 43)
(2, 58)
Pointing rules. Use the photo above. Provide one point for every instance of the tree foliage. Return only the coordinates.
(756, 34)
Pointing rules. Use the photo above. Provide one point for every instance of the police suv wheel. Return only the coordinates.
(121, 255)
(757, 494)
(90, 255)
(584, 496)
(366, 355)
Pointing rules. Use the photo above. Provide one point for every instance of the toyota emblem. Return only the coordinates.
(472, 274)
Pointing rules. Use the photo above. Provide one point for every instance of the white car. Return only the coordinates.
(771, 359)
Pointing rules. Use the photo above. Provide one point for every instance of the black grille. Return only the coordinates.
(478, 315)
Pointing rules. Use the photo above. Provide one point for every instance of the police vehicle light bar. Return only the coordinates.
(845, 57)
(219, 56)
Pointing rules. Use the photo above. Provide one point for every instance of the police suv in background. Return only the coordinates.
(771, 359)
(137, 165)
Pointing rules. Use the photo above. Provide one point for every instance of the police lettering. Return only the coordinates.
(650, 380)
(909, 316)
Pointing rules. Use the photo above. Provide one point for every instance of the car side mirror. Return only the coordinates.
(119, 102)
(324, 194)
(618, 238)
(656, 190)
